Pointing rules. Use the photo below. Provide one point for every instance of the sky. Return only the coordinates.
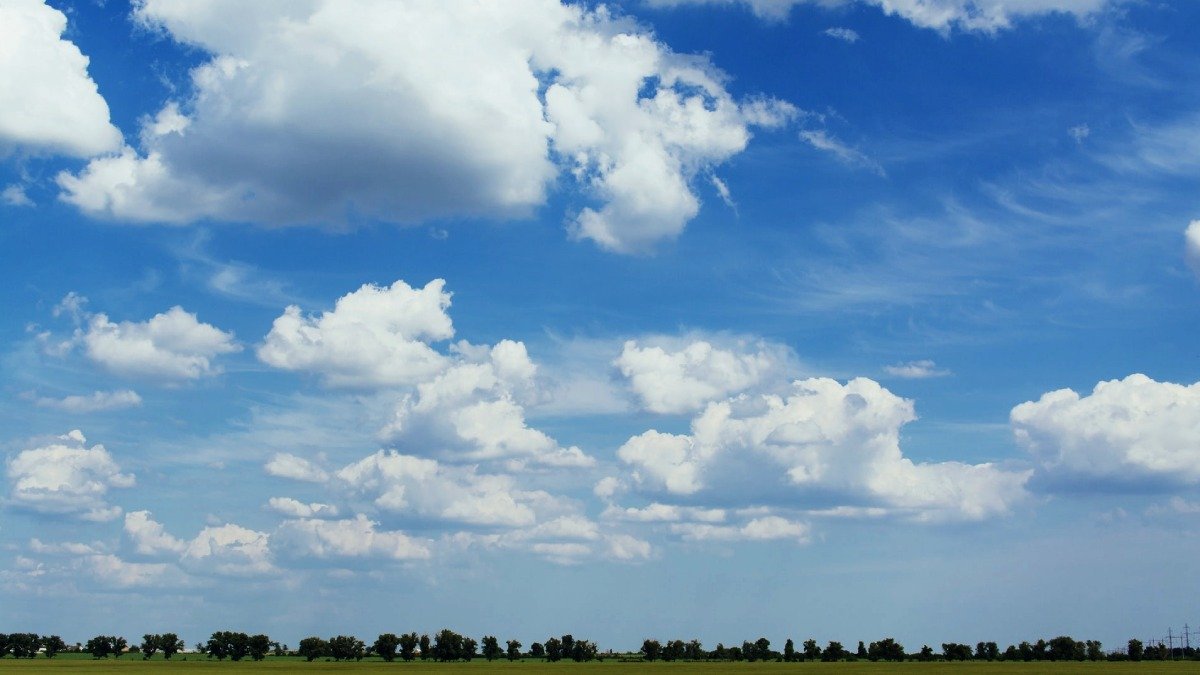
(709, 319)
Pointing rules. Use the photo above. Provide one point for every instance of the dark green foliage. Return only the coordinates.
(408, 646)
(834, 651)
(536, 650)
(953, 651)
(426, 652)
(812, 651)
(53, 644)
(1135, 650)
(554, 650)
(345, 648)
(312, 648)
(385, 646)
(514, 650)
(886, 649)
(651, 650)
(491, 648)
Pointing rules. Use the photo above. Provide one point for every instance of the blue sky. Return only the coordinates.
(663, 318)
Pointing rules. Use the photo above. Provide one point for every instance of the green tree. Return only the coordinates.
(812, 651)
(926, 653)
(53, 644)
(514, 650)
(651, 650)
(447, 645)
(258, 646)
(385, 646)
(408, 646)
(554, 651)
(537, 650)
(24, 645)
(953, 651)
(312, 648)
(491, 647)
(886, 649)
(426, 650)
(583, 650)
(149, 646)
(170, 644)
(834, 651)
(346, 647)
(694, 651)
(789, 650)
(469, 649)
(1094, 652)
(1135, 650)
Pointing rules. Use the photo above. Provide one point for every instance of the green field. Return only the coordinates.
(127, 665)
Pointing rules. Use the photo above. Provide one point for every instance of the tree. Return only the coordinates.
(554, 650)
(385, 646)
(651, 650)
(170, 644)
(312, 648)
(834, 651)
(536, 650)
(150, 645)
(1135, 650)
(886, 649)
(789, 650)
(953, 651)
(258, 646)
(447, 645)
(1062, 648)
(926, 653)
(694, 651)
(408, 646)
(54, 644)
(491, 647)
(514, 650)
(101, 646)
(469, 647)
(24, 645)
(812, 652)
(425, 650)
(584, 650)
(861, 652)
(673, 650)
(118, 645)
(1094, 653)
(346, 647)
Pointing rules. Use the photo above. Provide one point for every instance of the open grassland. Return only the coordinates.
(128, 665)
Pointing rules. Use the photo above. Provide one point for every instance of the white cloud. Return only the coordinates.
(942, 15)
(826, 142)
(149, 536)
(473, 411)
(294, 508)
(678, 378)
(171, 345)
(95, 402)
(658, 512)
(62, 548)
(373, 337)
(916, 370)
(290, 466)
(14, 195)
(229, 550)
(314, 111)
(628, 547)
(1125, 431)
(844, 34)
(110, 570)
(350, 538)
(1079, 132)
(52, 103)
(824, 440)
(66, 477)
(758, 529)
(404, 484)
(1192, 246)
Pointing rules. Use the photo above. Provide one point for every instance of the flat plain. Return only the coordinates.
(177, 665)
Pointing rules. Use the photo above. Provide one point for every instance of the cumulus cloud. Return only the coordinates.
(149, 537)
(285, 465)
(916, 370)
(66, 477)
(678, 378)
(327, 110)
(173, 345)
(373, 337)
(228, 550)
(1124, 432)
(294, 508)
(97, 401)
(426, 488)
(942, 15)
(351, 538)
(1192, 246)
(60, 109)
(473, 411)
(822, 442)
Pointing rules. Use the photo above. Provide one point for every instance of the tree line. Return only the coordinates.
(448, 645)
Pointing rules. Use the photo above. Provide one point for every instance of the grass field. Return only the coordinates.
(131, 665)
